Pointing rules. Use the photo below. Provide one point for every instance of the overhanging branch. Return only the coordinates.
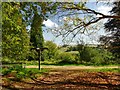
(88, 11)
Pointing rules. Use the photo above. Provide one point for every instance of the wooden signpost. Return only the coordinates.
(39, 50)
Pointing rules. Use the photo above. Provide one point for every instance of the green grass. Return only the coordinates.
(63, 64)
(56, 63)
(104, 70)
(42, 70)
(19, 73)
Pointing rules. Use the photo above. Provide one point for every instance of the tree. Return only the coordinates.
(112, 40)
(94, 56)
(36, 36)
(52, 49)
(78, 19)
(80, 49)
(66, 58)
(15, 40)
(73, 23)
(34, 13)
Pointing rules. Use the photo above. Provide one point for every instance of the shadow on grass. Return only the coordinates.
(79, 81)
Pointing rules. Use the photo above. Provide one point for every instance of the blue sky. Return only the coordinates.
(92, 39)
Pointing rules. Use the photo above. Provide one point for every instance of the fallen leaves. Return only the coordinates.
(72, 79)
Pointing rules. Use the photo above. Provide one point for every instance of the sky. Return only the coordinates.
(51, 23)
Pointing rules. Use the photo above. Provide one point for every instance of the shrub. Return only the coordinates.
(101, 57)
(18, 72)
(94, 56)
(66, 58)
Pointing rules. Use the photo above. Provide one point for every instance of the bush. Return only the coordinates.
(18, 72)
(95, 56)
(66, 58)
(6, 71)
(51, 50)
(101, 57)
(6, 60)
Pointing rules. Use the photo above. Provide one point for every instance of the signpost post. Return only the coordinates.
(39, 50)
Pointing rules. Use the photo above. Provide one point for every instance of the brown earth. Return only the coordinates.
(66, 79)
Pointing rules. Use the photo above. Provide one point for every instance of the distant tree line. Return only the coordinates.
(82, 54)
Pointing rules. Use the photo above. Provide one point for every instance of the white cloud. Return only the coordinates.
(104, 9)
(50, 24)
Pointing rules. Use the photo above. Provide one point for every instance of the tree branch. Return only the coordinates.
(92, 12)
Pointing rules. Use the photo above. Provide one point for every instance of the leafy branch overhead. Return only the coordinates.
(90, 11)
(77, 18)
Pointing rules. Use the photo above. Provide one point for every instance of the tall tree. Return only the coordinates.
(36, 33)
(36, 36)
(15, 40)
(112, 40)
(34, 13)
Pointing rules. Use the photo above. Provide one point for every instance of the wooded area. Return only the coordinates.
(22, 47)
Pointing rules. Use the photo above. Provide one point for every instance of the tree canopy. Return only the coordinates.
(15, 40)
(78, 18)
(112, 40)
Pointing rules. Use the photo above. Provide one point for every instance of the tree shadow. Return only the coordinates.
(86, 81)
(82, 82)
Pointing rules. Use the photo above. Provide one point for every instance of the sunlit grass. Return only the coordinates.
(104, 70)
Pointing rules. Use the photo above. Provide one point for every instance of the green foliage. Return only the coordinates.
(112, 39)
(83, 53)
(94, 56)
(104, 70)
(50, 62)
(6, 71)
(99, 56)
(72, 48)
(34, 13)
(52, 50)
(18, 72)
(87, 56)
(16, 16)
(33, 62)
(15, 41)
(36, 35)
(66, 58)
(33, 55)
(44, 9)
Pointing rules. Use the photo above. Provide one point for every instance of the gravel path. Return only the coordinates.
(72, 67)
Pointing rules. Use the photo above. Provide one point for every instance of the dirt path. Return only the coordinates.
(68, 78)
(73, 67)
